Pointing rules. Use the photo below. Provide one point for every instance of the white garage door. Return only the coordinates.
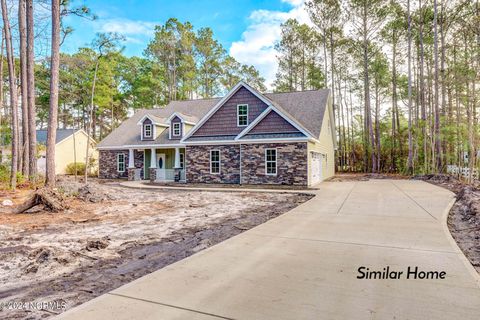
(316, 167)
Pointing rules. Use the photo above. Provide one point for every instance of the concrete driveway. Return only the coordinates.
(304, 264)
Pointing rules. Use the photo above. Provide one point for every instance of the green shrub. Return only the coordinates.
(4, 174)
(78, 166)
(21, 179)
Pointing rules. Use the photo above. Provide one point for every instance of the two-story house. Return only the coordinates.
(246, 137)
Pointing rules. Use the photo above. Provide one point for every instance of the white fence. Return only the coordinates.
(462, 171)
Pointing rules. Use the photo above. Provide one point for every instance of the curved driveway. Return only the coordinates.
(303, 264)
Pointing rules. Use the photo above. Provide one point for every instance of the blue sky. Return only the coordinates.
(247, 29)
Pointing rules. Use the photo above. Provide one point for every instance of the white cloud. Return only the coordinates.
(257, 44)
(132, 30)
(294, 2)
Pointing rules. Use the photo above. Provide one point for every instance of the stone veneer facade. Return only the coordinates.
(108, 163)
(291, 164)
(153, 174)
(197, 159)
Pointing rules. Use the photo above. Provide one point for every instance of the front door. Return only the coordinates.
(160, 166)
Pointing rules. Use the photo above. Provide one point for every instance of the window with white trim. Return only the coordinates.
(121, 162)
(147, 130)
(242, 115)
(215, 161)
(271, 162)
(176, 128)
(182, 160)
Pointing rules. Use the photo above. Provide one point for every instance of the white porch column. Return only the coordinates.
(177, 158)
(153, 158)
(131, 160)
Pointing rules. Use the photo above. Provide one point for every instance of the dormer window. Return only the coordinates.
(242, 115)
(176, 129)
(147, 130)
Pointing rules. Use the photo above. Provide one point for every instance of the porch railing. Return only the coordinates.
(169, 175)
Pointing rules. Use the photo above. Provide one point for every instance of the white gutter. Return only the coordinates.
(213, 142)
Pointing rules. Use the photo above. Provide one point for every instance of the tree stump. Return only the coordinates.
(50, 198)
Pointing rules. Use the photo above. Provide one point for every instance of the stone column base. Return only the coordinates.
(153, 174)
(134, 174)
(131, 174)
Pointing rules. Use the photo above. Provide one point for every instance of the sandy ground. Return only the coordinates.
(53, 262)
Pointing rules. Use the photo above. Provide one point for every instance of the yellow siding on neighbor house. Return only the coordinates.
(325, 146)
(64, 151)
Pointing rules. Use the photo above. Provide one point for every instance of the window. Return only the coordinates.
(176, 129)
(215, 161)
(147, 130)
(271, 162)
(120, 162)
(182, 160)
(242, 115)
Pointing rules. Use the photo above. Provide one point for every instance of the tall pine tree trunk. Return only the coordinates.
(53, 111)
(394, 101)
(377, 124)
(443, 81)
(91, 116)
(422, 89)
(23, 82)
(2, 138)
(325, 59)
(438, 146)
(409, 58)
(13, 94)
(366, 86)
(32, 113)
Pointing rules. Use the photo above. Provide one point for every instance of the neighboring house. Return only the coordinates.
(70, 145)
(243, 138)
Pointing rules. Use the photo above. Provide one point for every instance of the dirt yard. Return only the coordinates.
(113, 235)
(464, 218)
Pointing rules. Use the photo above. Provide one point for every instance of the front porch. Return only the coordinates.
(159, 165)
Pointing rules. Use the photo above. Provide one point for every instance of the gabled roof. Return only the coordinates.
(62, 134)
(264, 114)
(222, 101)
(306, 109)
(184, 117)
(155, 120)
(128, 134)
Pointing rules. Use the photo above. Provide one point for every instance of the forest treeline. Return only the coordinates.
(404, 77)
(178, 63)
(98, 86)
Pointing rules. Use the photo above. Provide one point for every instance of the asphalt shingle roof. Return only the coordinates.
(306, 107)
(187, 117)
(62, 134)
